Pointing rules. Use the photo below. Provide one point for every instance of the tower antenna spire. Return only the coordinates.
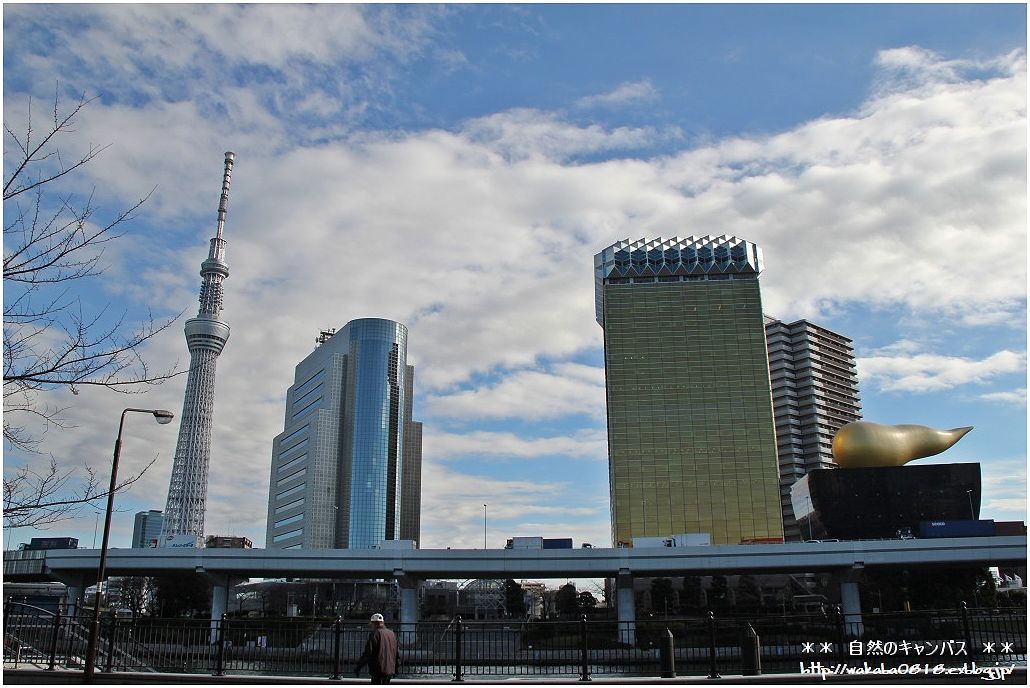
(206, 336)
(223, 202)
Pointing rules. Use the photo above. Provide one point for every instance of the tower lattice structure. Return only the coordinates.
(206, 335)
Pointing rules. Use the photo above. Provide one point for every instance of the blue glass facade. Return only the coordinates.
(343, 474)
(374, 418)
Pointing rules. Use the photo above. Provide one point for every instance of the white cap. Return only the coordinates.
(376, 617)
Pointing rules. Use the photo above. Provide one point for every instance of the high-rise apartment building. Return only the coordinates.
(411, 487)
(346, 467)
(691, 440)
(815, 393)
(146, 528)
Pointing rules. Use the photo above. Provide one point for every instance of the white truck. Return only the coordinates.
(525, 543)
(396, 544)
(681, 540)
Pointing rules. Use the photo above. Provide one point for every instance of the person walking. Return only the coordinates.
(381, 652)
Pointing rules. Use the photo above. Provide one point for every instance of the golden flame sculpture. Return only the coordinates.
(871, 445)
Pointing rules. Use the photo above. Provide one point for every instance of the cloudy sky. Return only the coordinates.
(456, 169)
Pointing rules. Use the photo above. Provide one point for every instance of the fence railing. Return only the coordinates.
(512, 648)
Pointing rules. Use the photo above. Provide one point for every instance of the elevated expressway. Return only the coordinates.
(77, 568)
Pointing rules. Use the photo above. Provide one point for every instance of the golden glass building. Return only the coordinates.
(691, 438)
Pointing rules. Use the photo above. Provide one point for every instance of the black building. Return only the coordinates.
(38, 543)
(864, 503)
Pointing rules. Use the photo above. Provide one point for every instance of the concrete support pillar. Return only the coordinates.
(627, 609)
(409, 609)
(219, 602)
(72, 603)
(851, 605)
(850, 600)
(73, 598)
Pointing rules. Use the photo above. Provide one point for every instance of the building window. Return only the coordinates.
(287, 507)
(288, 521)
(291, 464)
(300, 445)
(307, 395)
(307, 409)
(290, 492)
(293, 435)
(287, 536)
(291, 478)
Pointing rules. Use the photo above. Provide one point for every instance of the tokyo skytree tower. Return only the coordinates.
(206, 334)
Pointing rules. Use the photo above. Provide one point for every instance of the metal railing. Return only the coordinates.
(512, 648)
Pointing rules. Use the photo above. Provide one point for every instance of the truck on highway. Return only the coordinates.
(956, 528)
(396, 544)
(535, 542)
(681, 540)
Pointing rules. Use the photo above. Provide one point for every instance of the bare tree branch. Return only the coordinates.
(39, 499)
(53, 337)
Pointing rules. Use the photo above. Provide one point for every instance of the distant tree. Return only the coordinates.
(52, 339)
(587, 602)
(137, 593)
(749, 594)
(718, 593)
(274, 599)
(566, 601)
(944, 588)
(514, 599)
(182, 595)
(691, 595)
(1013, 598)
(662, 596)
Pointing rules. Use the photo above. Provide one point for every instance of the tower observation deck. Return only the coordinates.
(206, 335)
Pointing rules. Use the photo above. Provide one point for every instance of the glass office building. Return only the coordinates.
(691, 440)
(146, 528)
(342, 476)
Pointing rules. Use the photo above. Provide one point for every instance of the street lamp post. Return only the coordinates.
(484, 526)
(161, 417)
(972, 512)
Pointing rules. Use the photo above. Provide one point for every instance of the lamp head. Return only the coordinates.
(163, 417)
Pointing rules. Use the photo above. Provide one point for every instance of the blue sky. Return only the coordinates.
(455, 168)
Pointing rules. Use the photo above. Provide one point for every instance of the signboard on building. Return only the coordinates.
(182, 541)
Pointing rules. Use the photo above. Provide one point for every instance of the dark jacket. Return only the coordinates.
(381, 653)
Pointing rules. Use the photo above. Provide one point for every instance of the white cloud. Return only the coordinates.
(1015, 396)
(568, 390)
(452, 510)
(624, 93)
(932, 372)
(1004, 491)
(525, 133)
(587, 444)
(233, 63)
(913, 66)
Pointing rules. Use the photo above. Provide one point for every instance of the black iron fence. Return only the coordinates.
(576, 649)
